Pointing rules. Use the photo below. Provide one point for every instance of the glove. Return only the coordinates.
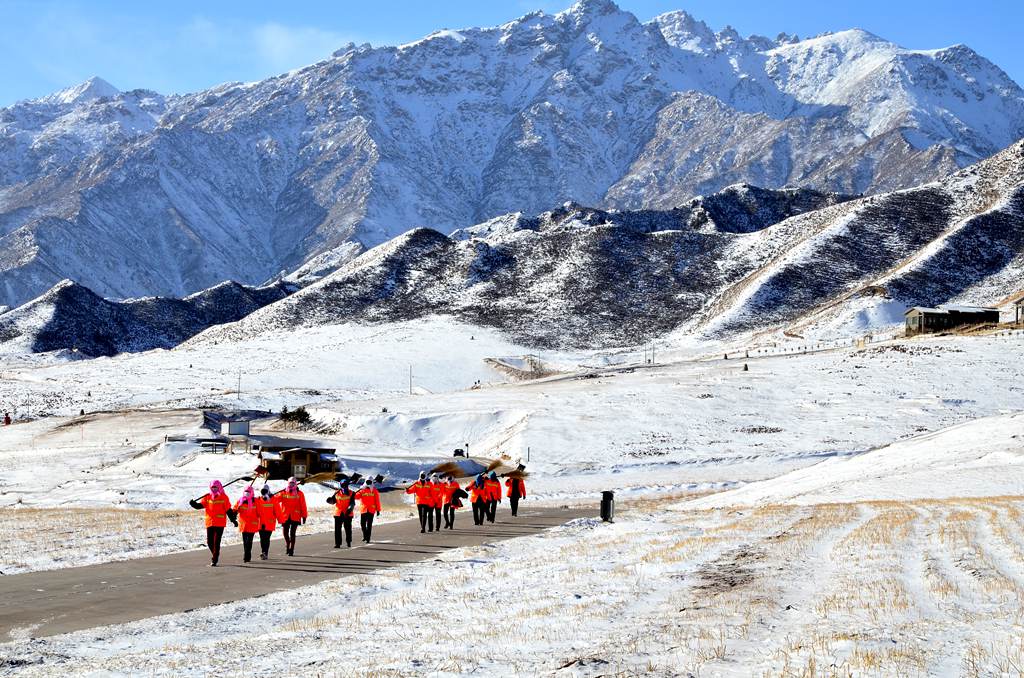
(378, 514)
(195, 504)
(331, 500)
(303, 521)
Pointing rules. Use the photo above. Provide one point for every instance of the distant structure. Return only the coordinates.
(925, 320)
(1018, 311)
(285, 457)
(234, 427)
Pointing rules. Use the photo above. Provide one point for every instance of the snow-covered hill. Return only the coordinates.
(573, 277)
(137, 194)
(740, 261)
(70, 317)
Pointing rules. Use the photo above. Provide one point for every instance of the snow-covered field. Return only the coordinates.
(858, 510)
(869, 588)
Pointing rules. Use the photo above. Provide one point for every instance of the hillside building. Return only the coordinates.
(925, 320)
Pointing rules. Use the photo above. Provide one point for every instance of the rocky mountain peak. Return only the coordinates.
(90, 90)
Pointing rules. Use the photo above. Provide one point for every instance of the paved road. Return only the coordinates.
(38, 604)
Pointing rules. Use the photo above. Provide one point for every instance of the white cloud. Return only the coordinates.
(63, 45)
(284, 47)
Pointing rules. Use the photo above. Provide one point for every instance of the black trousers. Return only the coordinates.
(366, 524)
(342, 522)
(492, 510)
(449, 516)
(426, 517)
(265, 541)
(213, 537)
(513, 503)
(479, 512)
(247, 538)
(289, 528)
(437, 518)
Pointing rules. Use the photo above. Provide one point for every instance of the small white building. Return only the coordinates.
(235, 427)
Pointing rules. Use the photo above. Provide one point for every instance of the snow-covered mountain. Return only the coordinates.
(70, 317)
(741, 261)
(134, 193)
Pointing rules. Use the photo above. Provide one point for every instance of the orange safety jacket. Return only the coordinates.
(423, 491)
(216, 509)
(291, 507)
(477, 492)
(437, 494)
(512, 484)
(369, 500)
(248, 516)
(447, 490)
(492, 488)
(267, 510)
(344, 503)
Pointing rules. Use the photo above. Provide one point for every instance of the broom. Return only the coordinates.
(446, 468)
(228, 484)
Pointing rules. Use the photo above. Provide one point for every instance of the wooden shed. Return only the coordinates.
(285, 457)
(925, 320)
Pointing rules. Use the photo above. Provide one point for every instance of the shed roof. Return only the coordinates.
(946, 309)
(968, 309)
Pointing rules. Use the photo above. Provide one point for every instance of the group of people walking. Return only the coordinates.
(253, 515)
(345, 501)
(437, 498)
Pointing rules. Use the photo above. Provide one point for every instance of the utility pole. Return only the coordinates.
(239, 391)
(410, 379)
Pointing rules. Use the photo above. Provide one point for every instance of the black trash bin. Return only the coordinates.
(607, 506)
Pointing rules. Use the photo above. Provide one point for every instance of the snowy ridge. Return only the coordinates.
(958, 240)
(740, 261)
(571, 277)
(70, 317)
(247, 181)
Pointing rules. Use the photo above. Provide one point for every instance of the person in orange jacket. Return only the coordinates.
(516, 491)
(424, 501)
(369, 506)
(291, 512)
(437, 494)
(478, 498)
(248, 521)
(492, 486)
(267, 508)
(344, 501)
(217, 505)
(451, 497)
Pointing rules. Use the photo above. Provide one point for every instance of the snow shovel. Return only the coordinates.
(318, 478)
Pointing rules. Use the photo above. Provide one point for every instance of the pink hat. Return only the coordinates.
(248, 496)
(215, 487)
(292, 483)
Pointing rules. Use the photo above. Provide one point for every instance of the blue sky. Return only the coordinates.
(188, 45)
